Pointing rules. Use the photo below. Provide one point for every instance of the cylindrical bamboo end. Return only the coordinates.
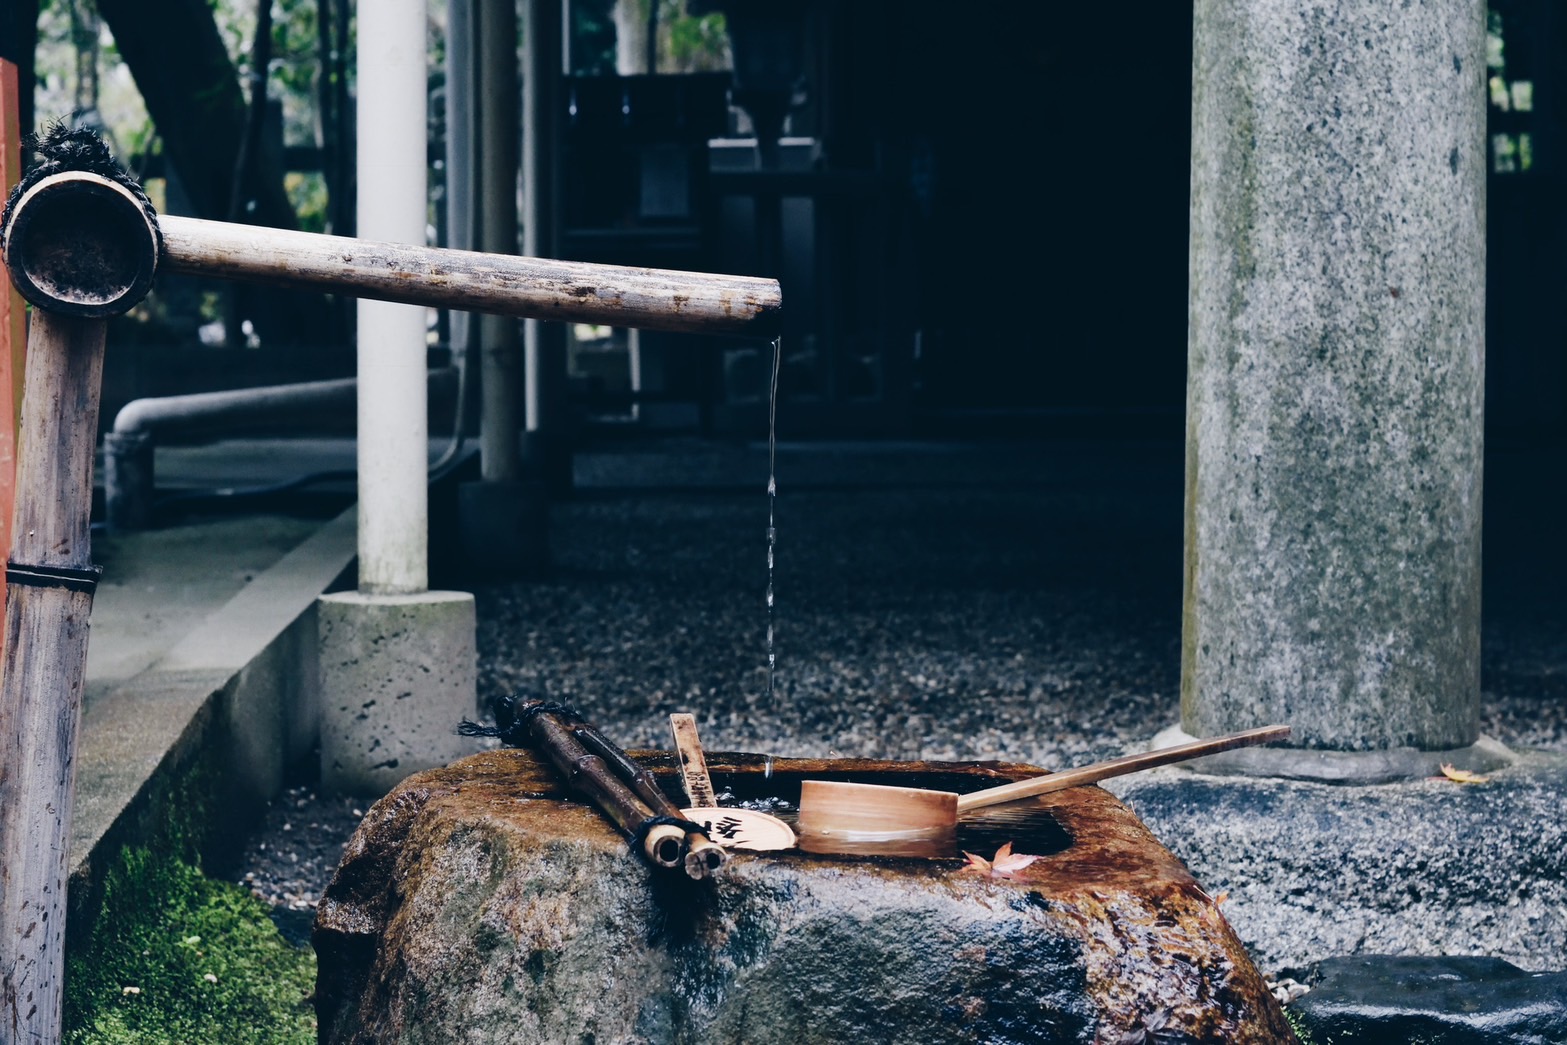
(665, 846)
(81, 245)
(704, 858)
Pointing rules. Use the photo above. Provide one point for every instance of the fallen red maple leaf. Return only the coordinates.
(1003, 865)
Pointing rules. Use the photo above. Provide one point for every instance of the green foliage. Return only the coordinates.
(592, 38)
(698, 43)
(177, 957)
(1298, 1025)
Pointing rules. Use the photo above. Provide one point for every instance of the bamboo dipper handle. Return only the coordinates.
(1117, 767)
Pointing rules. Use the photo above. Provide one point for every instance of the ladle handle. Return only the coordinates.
(1040, 785)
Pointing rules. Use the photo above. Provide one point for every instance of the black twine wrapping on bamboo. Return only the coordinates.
(60, 149)
(71, 578)
(512, 719)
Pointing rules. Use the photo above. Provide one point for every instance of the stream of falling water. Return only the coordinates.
(772, 501)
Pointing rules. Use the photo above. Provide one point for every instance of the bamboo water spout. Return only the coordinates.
(75, 215)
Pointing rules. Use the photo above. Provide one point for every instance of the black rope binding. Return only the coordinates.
(61, 149)
(70, 578)
(513, 716)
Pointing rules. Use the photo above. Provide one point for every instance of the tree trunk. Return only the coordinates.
(193, 94)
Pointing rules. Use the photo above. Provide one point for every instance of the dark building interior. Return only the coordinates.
(984, 220)
(979, 219)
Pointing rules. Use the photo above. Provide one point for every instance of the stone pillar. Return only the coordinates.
(1336, 355)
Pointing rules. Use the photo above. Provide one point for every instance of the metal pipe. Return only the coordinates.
(393, 443)
(129, 474)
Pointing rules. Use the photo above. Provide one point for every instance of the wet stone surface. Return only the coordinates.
(1473, 1000)
(477, 903)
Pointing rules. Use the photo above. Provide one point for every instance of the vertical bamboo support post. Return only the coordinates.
(80, 247)
(501, 369)
(50, 586)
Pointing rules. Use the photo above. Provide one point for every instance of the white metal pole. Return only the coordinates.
(393, 426)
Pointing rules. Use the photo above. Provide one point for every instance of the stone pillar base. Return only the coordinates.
(398, 673)
(1341, 767)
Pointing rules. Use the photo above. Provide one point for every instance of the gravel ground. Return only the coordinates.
(1017, 602)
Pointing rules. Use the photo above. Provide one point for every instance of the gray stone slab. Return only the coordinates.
(1424, 867)
(206, 622)
(1343, 767)
(1375, 998)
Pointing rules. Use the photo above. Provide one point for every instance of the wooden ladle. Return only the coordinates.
(840, 817)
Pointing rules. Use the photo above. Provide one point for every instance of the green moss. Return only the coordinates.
(177, 957)
(1298, 1025)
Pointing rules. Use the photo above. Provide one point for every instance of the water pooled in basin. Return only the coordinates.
(772, 501)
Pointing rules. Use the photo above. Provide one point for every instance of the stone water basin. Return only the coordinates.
(481, 902)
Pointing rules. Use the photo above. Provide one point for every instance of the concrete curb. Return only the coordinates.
(243, 680)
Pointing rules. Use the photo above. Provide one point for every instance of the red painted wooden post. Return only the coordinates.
(13, 314)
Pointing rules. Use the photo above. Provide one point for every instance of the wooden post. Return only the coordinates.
(50, 577)
(51, 582)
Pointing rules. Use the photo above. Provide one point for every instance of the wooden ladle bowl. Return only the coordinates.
(839, 817)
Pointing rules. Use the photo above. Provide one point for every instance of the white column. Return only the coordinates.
(393, 426)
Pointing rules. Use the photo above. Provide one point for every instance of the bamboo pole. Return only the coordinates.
(703, 855)
(51, 581)
(76, 212)
(591, 775)
(537, 288)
